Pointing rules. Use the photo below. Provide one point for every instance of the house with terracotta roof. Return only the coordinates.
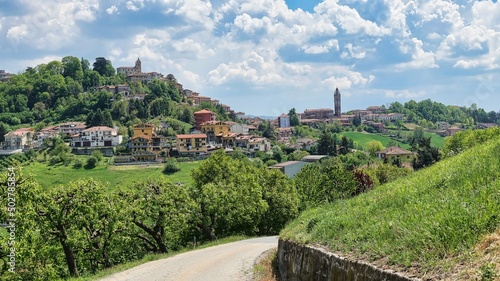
(72, 128)
(215, 130)
(395, 152)
(19, 139)
(97, 136)
(259, 144)
(191, 144)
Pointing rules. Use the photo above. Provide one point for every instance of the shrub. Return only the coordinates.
(91, 163)
(171, 166)
(97, 154)
(78, 164)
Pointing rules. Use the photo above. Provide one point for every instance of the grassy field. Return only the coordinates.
(436, 140)
(49, 176)
(363, 138)
(441, 222)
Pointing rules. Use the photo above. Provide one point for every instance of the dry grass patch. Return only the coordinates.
(266, 267)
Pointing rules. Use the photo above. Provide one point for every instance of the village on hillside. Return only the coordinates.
(147, 143)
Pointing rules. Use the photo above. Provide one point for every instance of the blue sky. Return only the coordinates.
(264, 57)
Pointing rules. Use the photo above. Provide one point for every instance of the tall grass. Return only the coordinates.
(425, 220)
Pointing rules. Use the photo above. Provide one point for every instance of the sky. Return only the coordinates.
(264, 57)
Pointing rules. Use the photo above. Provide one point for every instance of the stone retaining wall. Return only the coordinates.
(306, 263)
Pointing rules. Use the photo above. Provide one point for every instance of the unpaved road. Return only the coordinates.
(227, 262)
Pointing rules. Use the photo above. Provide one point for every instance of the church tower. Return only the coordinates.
(336, 103)
(138, 65)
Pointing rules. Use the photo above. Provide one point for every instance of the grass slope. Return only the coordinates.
(363, 138)
(124, 176)
(430, 222)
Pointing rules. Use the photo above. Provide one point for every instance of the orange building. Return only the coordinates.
(203, 116)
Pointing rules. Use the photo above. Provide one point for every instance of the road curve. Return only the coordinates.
(227, 262)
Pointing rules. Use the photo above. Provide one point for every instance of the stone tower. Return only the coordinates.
(336, 103)
(138, 65)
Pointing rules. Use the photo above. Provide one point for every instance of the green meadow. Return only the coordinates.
(115, 176)
(363, 138)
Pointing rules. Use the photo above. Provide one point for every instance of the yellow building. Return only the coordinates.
(144, 129)
(392, 153)
(216, 127)
(192, 144)
(215, 130)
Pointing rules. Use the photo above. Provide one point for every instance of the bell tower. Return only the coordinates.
(138, 65)
(336, 103)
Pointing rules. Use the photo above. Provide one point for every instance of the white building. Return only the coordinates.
(284, 121)
(239, 128)
(99, 136)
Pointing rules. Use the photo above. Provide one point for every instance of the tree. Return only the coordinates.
(282, 199)
(324, 183)
(72, 67)
(344, 145)
(426, 154)
(373, 147)
(162, 212)
(294, 119)
(65, 212)
(356, 121)
(171, 166)
(103, 67)
(326, 144)
(91, 162)
(229, 196)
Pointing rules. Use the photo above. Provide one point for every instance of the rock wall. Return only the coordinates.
(306, 263)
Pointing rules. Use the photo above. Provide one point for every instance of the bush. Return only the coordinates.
(97, 154)
(171, 166)
(78, 164)
(91, 163)
(271, 162)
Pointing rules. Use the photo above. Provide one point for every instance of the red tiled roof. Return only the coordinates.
(191, 136)
(395, 150)
(204, 111)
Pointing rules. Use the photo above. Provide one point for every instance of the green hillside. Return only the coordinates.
(430, 222)
(115, 176)
(363, 138)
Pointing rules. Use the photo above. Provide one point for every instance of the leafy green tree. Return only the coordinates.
(373, 147)
(171, 166)
(356, 121)
(65, 212)
(229, 196)
(103, 67)
(324, 183)
(162, 212)
(97, 154)
(72, 67)
(91, 162)
(344, 145)
(187, 116)
(426, 154)
(326, 144)
(294, 119)
(282, 199)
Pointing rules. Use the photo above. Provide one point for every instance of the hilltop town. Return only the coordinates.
(184, 123)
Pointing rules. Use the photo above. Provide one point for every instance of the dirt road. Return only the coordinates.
(227, 262)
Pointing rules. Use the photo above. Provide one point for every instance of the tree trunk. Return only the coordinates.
(70, 257)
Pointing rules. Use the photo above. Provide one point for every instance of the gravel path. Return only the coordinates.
(227, 262)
